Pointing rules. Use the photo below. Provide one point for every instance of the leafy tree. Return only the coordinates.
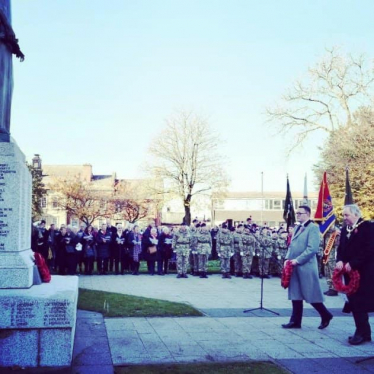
(186, 158)
(130, 202)
(79, 199)
(38, 191)
(352, 147)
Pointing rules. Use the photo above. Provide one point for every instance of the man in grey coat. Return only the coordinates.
(304, 283)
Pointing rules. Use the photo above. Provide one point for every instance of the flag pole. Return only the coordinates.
(262, 198)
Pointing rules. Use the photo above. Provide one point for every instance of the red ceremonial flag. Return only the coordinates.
(325, 211)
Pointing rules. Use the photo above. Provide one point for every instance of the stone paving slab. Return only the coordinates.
(226, 333)
(186, 338)
(203, 294)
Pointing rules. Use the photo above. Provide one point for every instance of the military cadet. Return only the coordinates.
(266, 244)
(181, 246)
(282, 246)
(275, 264)
(247, 253)
(225, 250)
(331, 244)
(238, 248)
(255, 262)
(203, 249)
(193, 254)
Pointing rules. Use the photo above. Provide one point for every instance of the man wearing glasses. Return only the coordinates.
(304, 283)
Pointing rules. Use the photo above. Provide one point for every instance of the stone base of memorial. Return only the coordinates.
(16, 266)
(37, 325)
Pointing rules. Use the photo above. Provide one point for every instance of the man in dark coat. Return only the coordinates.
(304, 283)
(356, 252)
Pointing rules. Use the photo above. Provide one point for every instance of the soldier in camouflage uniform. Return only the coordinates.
(248, 251)
(203, 248)
(238, 248)
(332, 233)
(273, 265)
(225, 250)
(181, 246)
(282, 246)
(256, 261)
(266, 244)
(193, 254)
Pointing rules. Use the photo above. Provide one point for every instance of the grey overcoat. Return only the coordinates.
(304, 284)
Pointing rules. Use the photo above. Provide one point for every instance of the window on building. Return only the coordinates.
(43, 202)
(277, 204)
(75, 222)
(54, 204)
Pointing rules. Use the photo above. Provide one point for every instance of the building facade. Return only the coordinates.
(264, 208)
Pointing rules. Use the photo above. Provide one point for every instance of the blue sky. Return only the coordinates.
(101, 77)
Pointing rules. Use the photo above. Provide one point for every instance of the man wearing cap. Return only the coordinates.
(225, 250)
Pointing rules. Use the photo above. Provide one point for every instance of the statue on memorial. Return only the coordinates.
(8, 46)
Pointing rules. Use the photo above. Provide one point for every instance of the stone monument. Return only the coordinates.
(37, 323)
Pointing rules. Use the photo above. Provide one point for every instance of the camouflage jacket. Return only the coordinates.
(266, 246)
(225, 244)
(249, 245)
(238, 242)
(203, 242)
(282, 246)
(181, 243)
(193, 233)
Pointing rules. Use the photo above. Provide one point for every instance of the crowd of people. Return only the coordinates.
(243, 251)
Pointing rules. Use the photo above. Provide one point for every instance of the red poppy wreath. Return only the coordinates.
(286, 274)
(352, 286)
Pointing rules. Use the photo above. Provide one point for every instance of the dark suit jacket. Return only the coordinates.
(358, 250)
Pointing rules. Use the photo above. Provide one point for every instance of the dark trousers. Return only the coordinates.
(297, 311)
(135, 267)
(362, 324)
(125, 262)
(165, 265)
(151, 267)
(88, 265)
(71, 263)
(102, 265)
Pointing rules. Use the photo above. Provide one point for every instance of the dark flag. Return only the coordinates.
(289, 211)
(324, 215)
(348, 192)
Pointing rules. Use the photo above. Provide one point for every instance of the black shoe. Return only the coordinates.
(250, 276)
(160, 273)
(224, 276)
(325, 323)
(266, 276)
(291, 325)
(237, 275)
(179, 276)
(185, 276)
(228, 276)
(331, 293)
(358, 339)
(196, 274)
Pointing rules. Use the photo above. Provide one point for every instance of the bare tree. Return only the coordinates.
(186, 157)
(334, 89)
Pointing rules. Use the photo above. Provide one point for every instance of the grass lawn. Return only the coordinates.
(253, 367)
(117, 305)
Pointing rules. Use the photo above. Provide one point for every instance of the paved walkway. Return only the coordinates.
(226, 333)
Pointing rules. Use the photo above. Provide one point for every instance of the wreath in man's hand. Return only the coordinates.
(352, 286)
(286, 274)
